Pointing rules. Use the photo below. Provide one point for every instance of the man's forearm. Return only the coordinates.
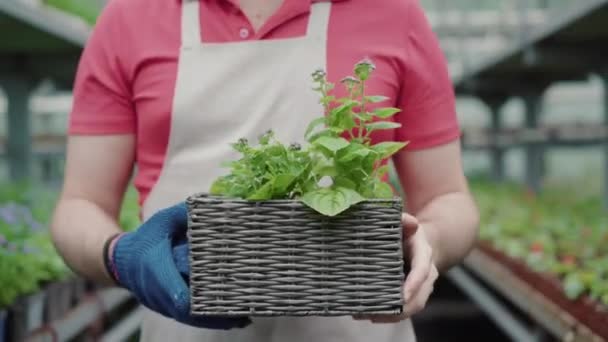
(80, 229)
(451, 223)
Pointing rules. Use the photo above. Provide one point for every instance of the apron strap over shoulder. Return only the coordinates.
(191, 25)
(319, 20)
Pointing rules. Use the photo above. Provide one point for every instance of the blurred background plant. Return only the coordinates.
(562, 232)
(88, 10)
(28, 259)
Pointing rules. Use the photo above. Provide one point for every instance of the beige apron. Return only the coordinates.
(241, 89)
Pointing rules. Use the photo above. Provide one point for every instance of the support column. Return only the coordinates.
(496, 152)
(534, 159)
(18, 146)
(604, 77)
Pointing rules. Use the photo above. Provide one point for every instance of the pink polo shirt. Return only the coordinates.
(126, 77)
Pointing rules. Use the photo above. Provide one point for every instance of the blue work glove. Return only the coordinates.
(152, 262)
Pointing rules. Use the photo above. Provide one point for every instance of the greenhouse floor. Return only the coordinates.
(450, 316)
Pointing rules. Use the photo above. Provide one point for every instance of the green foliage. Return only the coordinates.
(560, 232)
(129, 214)
(88, 10)
(339, 147)
(269, 170)
(27, 256)
(28, 259)
(333, 201)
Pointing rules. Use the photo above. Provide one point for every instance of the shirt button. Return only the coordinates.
(244, 33)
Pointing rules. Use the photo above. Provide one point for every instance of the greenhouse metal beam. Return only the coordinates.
(18, 146)
(510, 325)
(571, 136)
(449, 22)
(513, 84)
(49, 45)
(574, 57)
(582, 23)
(45, 19)
(604, 76)
(59, 67)
(535, 159)
(495, 104)
(81, 316)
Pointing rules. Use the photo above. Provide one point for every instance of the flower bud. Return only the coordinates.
(349, 81)
(364, 68)
(318, 75)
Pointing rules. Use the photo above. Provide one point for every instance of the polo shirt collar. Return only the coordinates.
(288, 10)
(236, 2)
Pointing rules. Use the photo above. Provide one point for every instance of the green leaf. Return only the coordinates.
(388, 148)
(281, 184)
(344, 182)
(364, 117)
(340, 117)
(218, 187)
(348, 101)
(337, 130)
(332, 201)
(332, 144)
(313, 125)
(358, 151)
(265, 138)
(573, 286)
(384, 113)
(327, 99)
(327, 170)
(317, 135)
(263, 193)
(381, 125)
(376, 99)
(383, 190)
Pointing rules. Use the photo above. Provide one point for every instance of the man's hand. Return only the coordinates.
(420, 281)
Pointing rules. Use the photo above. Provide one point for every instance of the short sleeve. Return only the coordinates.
(427, 99)
(102, 101)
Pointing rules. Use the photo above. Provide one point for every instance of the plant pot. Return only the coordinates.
(79, 290)
(281, 258)
(3, 325)
(26, 315)
(58, 300)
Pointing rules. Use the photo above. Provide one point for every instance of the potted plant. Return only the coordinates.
(6, 295)
(3, 325)
(58, 300)
(79, 289)
(27, 259)
(304, 230)
(27, 314)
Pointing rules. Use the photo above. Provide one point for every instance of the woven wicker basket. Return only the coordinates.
(280, 258)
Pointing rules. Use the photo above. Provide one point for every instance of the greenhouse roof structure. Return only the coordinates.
(568, 47)
(40, 41)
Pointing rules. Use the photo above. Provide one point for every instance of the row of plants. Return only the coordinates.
(561, 232)
(28, 259)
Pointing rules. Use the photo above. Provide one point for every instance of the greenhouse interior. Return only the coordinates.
(531, 85)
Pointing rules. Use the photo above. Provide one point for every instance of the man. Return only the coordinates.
(166, 85)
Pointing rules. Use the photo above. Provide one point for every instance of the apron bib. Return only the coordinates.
(225, 91)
